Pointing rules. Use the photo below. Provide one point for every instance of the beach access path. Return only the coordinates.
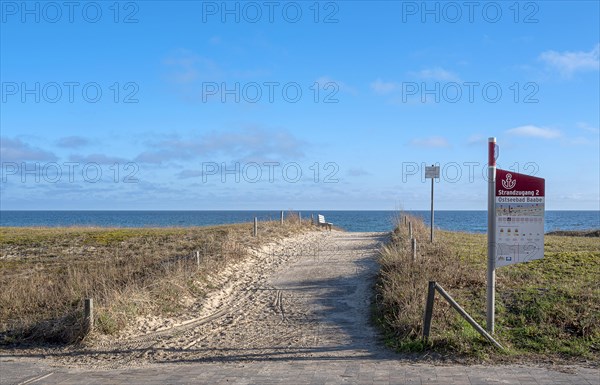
(294, 312)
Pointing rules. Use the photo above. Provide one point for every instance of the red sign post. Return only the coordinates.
(491, 237)
(515, 222)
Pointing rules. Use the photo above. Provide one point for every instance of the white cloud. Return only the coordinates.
(186, 174)
(589, 128)
(431, 142)
(250, 144)
(188, 66)
(325, 83)
(357, 172)
(568, 62)
(97, 158)
(438, 74)
(383, 88)
(581, 141)
(534, 132)
(476, 139)
(15, 150)
(72, 142)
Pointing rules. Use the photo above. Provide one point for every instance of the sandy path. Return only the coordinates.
(296, 312)
(306, 297)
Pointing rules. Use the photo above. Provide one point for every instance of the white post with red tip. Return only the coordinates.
(491, 236)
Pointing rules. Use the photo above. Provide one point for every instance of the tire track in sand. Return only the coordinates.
(306, 297)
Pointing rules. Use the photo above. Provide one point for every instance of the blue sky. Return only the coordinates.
(295, 105)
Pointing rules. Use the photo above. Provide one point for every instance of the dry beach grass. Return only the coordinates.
(302, 297)
(45, 273)
(147, 280)
(546, 310)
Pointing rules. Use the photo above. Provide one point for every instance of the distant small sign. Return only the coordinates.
(432, 172)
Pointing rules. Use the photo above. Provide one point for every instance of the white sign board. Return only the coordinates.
(519, 218)
(432, 172)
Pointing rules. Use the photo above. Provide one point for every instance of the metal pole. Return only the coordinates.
(491, 235)
(431, 237)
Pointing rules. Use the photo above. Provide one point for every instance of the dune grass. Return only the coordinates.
(547, 309)
(45, 273)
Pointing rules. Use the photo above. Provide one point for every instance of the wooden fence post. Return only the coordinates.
(410, 230)
(467, 317)
(88, 314)
(433, 286)
(428, 310)
(413, 242)
(197, 259)
(255, 232)
(282, 217)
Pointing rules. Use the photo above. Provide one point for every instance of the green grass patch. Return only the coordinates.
(545, 309)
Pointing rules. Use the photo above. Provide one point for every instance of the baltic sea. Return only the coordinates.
(468, 221)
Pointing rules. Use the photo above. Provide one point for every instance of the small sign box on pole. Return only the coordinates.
(432, 172)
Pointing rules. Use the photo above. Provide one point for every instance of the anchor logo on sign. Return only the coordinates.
(509, 183)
